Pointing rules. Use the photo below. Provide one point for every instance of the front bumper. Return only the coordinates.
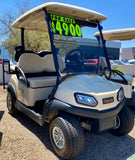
(85, 112)
(99, 120)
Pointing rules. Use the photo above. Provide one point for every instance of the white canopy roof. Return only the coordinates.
(119, 34)
(34, 19)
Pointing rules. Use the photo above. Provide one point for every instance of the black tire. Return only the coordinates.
(73, 136)
(11, 103)
(125, 122)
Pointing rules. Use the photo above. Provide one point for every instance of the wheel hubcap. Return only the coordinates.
(117, 123)
(58, 137)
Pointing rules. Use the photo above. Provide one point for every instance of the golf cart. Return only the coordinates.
(57, 87)
(117, 76)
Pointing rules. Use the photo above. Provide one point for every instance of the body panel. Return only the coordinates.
(27, 95)
(93, 85)
(127, 90)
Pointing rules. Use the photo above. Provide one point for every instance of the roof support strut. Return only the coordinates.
(54, 55)
(104, 46)
(22, 38)
(52, 44)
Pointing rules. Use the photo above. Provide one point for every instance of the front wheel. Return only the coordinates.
(125, 122)
(11, 103)
(66, 136)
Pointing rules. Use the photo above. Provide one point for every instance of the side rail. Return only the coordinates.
(21, 76)
(6, 70)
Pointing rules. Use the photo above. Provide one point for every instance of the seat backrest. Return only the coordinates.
(33, 63)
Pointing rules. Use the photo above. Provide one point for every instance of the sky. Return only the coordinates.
(120, 13)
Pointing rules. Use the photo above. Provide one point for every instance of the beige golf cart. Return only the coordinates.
(63, 87)
(125, 80)
(119, 34)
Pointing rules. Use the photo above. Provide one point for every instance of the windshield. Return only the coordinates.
(76, 46)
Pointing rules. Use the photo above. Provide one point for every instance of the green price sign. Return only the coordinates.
(65, 26)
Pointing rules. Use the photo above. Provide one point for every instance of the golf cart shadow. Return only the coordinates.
(107, 146)
(97, 146)
(1, 134)
(41, 132)
(1, 114)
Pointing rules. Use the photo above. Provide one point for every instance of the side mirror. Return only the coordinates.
(107, 73)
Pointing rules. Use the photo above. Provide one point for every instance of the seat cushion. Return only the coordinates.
(39, 82)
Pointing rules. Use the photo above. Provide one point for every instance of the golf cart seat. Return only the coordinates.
(19, 50)
(39, 71)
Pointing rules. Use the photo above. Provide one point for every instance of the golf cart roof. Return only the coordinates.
(119, 34)
(34, 19)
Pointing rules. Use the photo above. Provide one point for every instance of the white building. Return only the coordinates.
(128, 53)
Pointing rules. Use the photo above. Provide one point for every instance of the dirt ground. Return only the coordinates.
(23, 139)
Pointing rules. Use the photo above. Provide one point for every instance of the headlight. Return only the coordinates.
(85, 99)
(120, 94)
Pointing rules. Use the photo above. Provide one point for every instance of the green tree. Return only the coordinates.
(12, 37)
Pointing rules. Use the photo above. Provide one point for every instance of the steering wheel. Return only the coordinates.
(123, 81)
(74, 60)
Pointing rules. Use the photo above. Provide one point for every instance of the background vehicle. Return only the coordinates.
(116, 62)
(132, 61)
(57, 87)
(91, 61)
(91, 64)
(0, 60)
(125, 62)
(125, 80)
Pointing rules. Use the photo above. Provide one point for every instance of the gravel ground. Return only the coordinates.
(23, 139)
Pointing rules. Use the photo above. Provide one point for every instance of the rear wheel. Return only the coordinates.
(125, 122)
(11, 103)
(66, 136)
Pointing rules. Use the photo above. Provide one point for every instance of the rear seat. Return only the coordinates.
(34, 64)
